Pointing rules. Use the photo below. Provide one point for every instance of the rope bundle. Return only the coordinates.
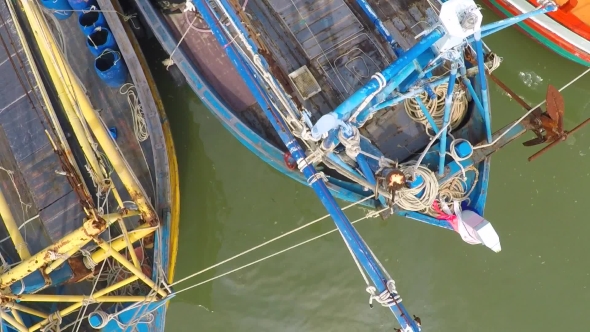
(406, 198)
(436, 107)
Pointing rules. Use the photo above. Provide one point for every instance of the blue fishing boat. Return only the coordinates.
(379, 103)
(89, 200)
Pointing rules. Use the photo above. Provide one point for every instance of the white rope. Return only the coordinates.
(454, 190)
(5, 266)
(406, 198)
(436, 107)
(169, 62)
(54, 255)
(385, 298)
(496, 62)
(139, 123)
(54, 321)
(292, 116)
(24, 206)
(529, 112)
(87, 260)
(369, 215)
(104, 319)
(21, 226)
(267, 242)
(382, 83)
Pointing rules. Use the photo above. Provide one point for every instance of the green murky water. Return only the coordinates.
(232, 201)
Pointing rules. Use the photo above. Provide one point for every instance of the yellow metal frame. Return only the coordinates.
(46, 101)
(74, 99)
(76, 239)
(54, 59)
(106, 250)
(17, 238)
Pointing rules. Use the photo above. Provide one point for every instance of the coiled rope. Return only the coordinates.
(139, 124)
(407, 198)
(455, 190)
(436, 107)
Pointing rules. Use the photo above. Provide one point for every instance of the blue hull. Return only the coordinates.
(259, 145)
(254, 142)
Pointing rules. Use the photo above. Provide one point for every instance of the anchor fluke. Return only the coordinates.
(534, 141)
(548, 126)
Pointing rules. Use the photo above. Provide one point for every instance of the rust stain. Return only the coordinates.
(79, 270)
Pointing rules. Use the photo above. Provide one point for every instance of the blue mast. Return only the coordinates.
(357, 246)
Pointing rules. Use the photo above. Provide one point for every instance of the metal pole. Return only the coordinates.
(26, 309)
(368, 10)
(50, 51)
(116, 255)
(43, 91)
(77, 298)
(118, 244)
(350, 235)
(12, 228)
(483, 85)
(76, 239)
(20, 327)
(442, 151)
(77, 305)
(467, 83)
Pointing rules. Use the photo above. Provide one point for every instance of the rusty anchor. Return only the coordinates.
(548, 126)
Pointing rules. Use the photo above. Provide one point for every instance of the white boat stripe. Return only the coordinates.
(550, 24)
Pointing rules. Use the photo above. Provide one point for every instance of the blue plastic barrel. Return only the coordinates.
(91, 19)
(111, 69)
(60, 8)
(80, 5)
(99, 40)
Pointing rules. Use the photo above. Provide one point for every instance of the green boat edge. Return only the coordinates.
(532, 33)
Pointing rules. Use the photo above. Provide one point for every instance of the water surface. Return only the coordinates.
(231, 201)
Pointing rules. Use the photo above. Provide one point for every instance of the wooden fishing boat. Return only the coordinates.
(88, 177)
(565, 31)
(389, 99)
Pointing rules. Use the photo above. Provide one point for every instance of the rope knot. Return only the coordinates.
(387, 298)
(88, 301)
(87, 260)
(54, 321)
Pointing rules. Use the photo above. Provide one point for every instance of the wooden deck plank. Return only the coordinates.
(24, 139)
(112, 105)
(155, 146)
(15, 193)
(55, 215)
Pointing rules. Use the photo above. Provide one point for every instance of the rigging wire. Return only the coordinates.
(529, 112)
(266, 242)
(371, 214)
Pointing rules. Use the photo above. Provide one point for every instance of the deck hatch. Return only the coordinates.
(305, 82)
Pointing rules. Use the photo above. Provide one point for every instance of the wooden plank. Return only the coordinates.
(112, 105)
(141, 77)
(26, 148)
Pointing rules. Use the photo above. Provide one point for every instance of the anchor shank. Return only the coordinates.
(563, 138)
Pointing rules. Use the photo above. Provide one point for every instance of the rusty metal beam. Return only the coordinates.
(76, 239)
